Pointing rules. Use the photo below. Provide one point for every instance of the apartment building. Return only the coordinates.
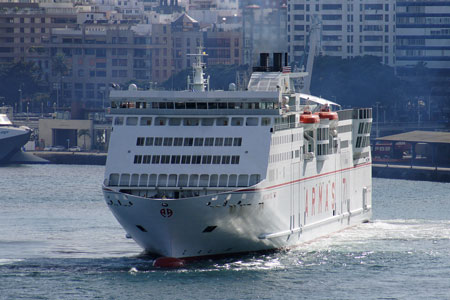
(423, 36)
(347, 28)
(99, 54)
(25, 29)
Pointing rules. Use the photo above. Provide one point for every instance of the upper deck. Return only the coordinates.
(194, 103)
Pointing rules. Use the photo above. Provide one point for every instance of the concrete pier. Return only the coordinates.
(409, 172)
(72, 158)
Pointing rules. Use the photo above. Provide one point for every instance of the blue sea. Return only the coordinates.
(58, 240)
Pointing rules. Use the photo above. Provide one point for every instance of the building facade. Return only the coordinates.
(347, 28)
(423, 37)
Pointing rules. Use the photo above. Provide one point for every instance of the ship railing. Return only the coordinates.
(284, 126)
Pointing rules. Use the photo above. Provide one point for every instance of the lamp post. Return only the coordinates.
(20, 100)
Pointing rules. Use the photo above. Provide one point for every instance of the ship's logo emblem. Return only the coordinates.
(166, 212)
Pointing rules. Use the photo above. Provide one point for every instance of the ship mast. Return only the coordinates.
(198, 83)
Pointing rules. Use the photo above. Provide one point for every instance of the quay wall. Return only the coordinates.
(73, 158)
(438, 174)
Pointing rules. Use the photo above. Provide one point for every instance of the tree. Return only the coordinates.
(23, 76)
(83, 133)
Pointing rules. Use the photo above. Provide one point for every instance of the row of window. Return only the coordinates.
(322, 134)
(274, 158)
(285, 139)
(184, 180)
(187, 159)
(189, 141)
(221, 121)
(194, 105)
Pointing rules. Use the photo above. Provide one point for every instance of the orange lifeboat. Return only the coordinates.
(308, 118)
(325, 113)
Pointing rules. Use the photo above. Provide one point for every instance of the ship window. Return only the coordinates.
(188, 141)
(146, 159)
(134, 180)
(254, 179)
(228, 141)
(113, 179)
(178, 141)
(182, 180)
(222, 105)
(232, 180)
(361, 128)
(235, 159)
(208, 122)
(358, 142)
(155, 159)
(219, 142)
(152, 180)
(237, 142)
(222, 122)
(124, 179)
(160, 121)
(204, 178)
(196, 159)
(180, 105)
(201, 105)
(216, 159)
(186, 159)
(212, 105)
(149, 141)
(174, 121)
(206, 159)
(243, 180)
(213, 180)
(265, 121)
(198, 142)
(251, 122)
(168, 141)
(158, 141)
(146, 121)
(191, 122)
(162, 180)
(172, 180)
(138, 159)
(209, 141)
(118, 121)
(165, 159)
(190, 105)
(143, 180)
(226, 160)
(223, 180)
(162, 105)
(140, 141)
(193, 180)
(237, 121)
(175, 159)
(132, 121)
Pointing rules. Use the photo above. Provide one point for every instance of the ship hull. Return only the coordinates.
(11, 142)
(260, 218)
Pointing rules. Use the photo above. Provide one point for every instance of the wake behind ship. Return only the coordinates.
(199, 173)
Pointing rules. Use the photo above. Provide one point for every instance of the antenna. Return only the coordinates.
(198, 82)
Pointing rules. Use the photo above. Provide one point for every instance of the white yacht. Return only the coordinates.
(12, 138)
(201, 173)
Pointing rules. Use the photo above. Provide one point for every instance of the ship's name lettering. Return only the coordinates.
(320, 197)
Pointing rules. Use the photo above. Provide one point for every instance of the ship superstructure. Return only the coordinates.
(199, 172)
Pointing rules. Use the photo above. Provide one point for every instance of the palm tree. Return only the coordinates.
(83, 133)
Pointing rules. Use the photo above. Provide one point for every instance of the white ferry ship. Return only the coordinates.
(200, 173)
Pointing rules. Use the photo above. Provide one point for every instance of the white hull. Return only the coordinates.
(246, 220)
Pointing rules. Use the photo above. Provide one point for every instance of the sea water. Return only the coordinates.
(58, 240)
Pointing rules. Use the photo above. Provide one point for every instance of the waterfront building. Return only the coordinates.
(347, 28)
(25, 29)
(423, 37)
